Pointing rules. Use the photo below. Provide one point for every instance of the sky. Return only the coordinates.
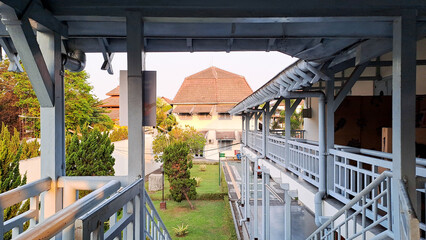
(172, 68)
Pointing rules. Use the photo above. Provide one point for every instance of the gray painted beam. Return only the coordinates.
(35, 10)
(15, 64)
(52, 123)
(238, 8)
(403, 113)
(348, 85)
(136, 162)
(29, 51)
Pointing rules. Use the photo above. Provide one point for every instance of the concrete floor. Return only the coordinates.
(302, 221)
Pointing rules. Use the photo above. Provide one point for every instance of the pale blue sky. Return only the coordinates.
(172, 68)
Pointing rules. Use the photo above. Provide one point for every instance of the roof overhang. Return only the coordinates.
(301, 74)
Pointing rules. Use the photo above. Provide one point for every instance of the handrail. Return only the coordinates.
(154, 211)
(68, 215)
(410, 224)
(24, 192)
(351, 203)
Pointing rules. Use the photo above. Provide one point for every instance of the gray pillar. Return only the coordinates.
(265, 205)
(136, 161)
(403, 110)
(288, 114)
(52, 120)
(266, 122)
(330, 133)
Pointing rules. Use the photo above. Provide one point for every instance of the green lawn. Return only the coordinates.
(209, 220)
(209, 184)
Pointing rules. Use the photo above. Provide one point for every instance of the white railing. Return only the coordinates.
(30, 191)
(67, 216)
(129, 201)
(276, 149)
(345, 222)
(304, 161)
(255, 140)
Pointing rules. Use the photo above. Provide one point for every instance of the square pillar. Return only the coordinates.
(403, 111)
(287, 130)
(52, 121)
(329, 87)
(136, 160)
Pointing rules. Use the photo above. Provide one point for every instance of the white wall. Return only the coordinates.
(311, 124)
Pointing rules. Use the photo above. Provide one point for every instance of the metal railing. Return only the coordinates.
(30, 191)
(67, 216)
(255, 140)
(304, 161)
(276, 149)
(134, 212)
(344, 222)
(298, 133)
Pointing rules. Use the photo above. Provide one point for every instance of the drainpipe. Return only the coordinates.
(322, 148)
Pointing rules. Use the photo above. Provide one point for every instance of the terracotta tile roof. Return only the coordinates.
(183, 109)
(111, 102)
(213, 85)
(203, 109)
(169, 101)
(114, 92)
(225, 135)
(224, 108)
(113, 113)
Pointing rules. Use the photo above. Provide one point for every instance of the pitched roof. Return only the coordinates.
(113, 101)
(225, 135)
(168, 101)
(224, 108)
(113, 113)
(114, 92)
(213, 85)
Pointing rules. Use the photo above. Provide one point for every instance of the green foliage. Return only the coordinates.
(296, 120)
(10, 178)
(188, 135)
(181, 230)
(30, 149)
(165, 120)
(118, 134)
(176, 164)
(203, 167)
(81, 106)
(89, 155)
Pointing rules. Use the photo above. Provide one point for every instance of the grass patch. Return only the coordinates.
(209, 188)
(209, 220)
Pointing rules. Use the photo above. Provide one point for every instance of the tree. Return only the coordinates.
(177, 164)
(296, 120)
(90, 155)
(165, 120)
(195, 140)
(18, 98)
(10, 178)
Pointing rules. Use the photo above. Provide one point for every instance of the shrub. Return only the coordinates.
(181, 230)
(177, 164)
(203, 167)
(118, 134)
(198, 180)
(30, 149)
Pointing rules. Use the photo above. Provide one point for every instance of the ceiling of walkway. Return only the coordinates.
(307, 29)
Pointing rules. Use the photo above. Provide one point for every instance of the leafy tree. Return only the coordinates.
(18, 98)
(296, 120)
(10, 178)
(119, 133)
(177, 164)
(195, 140)
(165, 120)
(89, 155)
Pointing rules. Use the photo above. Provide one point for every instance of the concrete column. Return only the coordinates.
(52, 120)
(403, 111)
(265, 206)
(136, 161)
(288, 114)
(330, 133)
